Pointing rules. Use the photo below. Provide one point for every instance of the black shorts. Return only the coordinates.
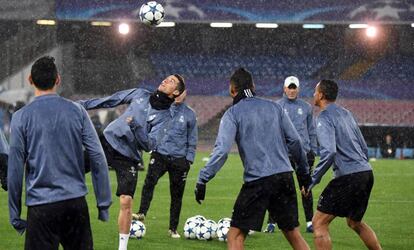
(347, 196)
(275, 193)
(126, 169)
(65, 222)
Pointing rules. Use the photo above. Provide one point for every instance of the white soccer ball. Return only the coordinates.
(199, 217)
(206, 230)
(223, 227)
(190, 228)
(213, 226)
(137, 230)
(151, 13)
(226, 221)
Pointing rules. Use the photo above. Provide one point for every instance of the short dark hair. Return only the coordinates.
(241, 79)
(181, 83)
(44, 73)
(329, 89)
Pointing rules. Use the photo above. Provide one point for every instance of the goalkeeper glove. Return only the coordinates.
(200, 192)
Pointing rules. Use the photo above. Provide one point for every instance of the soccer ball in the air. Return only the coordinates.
(151, 13)
(206, 230)
(223, 227)
(137, 229)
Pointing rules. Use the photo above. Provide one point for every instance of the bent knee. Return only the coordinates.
(125, 201)
(318, 223)
(354, 225)
(235, 234)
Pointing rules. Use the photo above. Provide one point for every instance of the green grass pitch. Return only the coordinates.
(390, 212)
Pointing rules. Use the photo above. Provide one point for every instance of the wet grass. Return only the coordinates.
(390, 212)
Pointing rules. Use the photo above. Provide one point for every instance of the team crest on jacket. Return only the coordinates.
(300, 111)
(181, 118)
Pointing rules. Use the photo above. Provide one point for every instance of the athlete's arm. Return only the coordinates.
(294, 144)
(224, 141)
(119, 98)
(192, 137)
(99, 166)
(16, 164)
(326, 137)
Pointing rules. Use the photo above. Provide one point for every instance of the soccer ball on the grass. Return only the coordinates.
(190, 228)
(225, 221)
(206, 230)
(137, 229)
(213, 226)
(151, 13)
(223, 227)
(199, 217)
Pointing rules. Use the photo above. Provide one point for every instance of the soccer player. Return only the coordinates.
(46, 145)
(301, 115)
(341, 144)
(264, 134)
(173, 151)
(4, 153)
(121, 148)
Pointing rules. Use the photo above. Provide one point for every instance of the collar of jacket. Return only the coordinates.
(245, 93)
(160, 100)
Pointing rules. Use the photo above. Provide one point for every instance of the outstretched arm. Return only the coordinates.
(225, 138)
(224, 141)
(119, 98)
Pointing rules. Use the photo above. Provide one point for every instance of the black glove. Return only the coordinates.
(20, 225)
(311, 158)
(3, 171)
(200, 192)
(304, 180)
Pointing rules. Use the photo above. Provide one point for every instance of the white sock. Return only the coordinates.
(309, 223)
(123, 241)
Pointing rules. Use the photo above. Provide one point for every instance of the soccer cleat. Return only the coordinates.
(138, 216)
(270, 228)
(309, 229)
(174, 234)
